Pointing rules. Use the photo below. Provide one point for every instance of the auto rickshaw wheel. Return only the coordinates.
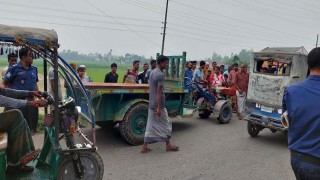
(253, 129)
(134, 123)
(91, 162)
(225, 114)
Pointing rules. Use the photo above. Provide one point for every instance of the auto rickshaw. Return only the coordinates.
(271, 71)
(77, 158)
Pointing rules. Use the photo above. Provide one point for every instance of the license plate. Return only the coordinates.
(266, 109)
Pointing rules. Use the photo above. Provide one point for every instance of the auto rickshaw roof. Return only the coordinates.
(27, 34)
(285, 50)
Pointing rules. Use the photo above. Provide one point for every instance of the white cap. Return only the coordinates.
(83, 66)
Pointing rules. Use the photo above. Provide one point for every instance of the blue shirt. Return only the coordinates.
(198, 74)
(302, 102)
(188, 78)
(21, 78)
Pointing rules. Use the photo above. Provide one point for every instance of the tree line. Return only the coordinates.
(243, 56)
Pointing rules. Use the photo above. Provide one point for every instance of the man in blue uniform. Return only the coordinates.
(302, 102)
(24, 76)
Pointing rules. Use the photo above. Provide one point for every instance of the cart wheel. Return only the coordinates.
(225, 114)
(253, 129)
(134, 123)
(204, 115)
(91, 162)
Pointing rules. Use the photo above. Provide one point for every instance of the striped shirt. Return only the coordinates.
(7, 98)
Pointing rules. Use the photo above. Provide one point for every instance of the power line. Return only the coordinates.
(74, 12)
(235, 19)
(72, 25)
(135, 32)
(183, 19)
(70, 18)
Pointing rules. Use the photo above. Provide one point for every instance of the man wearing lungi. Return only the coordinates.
(241, 84)
(159, 125)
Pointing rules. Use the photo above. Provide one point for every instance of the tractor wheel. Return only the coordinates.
(134, 123)
(253, 129)
(225, 114)
(91, 162)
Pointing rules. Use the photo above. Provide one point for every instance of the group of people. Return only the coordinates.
(132, 75)
(218, 76)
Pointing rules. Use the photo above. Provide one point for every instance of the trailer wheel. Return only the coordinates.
(225, 114)
(91, 162)
(253, 129)
(134, 123)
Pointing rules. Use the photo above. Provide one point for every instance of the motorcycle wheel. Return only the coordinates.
(91, 162)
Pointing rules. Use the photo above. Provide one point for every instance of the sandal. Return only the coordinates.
(173, 148)
(145, 150)
(29, 157)
(19, 169)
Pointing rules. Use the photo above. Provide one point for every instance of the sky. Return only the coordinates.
(199, 27)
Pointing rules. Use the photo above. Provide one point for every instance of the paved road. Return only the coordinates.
(209, 150)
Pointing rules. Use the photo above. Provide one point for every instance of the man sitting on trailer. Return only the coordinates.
(132, 75)
(20, 150)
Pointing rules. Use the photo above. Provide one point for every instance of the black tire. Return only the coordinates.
(204, 115)
(106, 124)
(134, 123)
(92, 164)
(225, 114)
(253, 129)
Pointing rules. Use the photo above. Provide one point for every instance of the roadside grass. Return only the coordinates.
(95, 70)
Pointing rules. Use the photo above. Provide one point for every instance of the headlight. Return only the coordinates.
(279, 111)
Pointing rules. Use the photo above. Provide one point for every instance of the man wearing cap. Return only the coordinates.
(82, 74)
(24, 76)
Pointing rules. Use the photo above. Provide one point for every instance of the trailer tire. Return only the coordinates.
(225, 114)
(92, 164)
(253, 129)
(133, 126)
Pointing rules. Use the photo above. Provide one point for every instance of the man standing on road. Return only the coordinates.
(24, 76)
(241, 84)
(301, 101)
(232, 77)
(112, 77)
(12, 60)
(159, 126)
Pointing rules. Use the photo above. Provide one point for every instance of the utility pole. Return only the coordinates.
(317, 40)
(165, 28)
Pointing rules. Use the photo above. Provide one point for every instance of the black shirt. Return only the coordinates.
(110, 78)
(141, 77)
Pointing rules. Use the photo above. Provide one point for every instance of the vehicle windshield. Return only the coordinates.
(271, 66)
